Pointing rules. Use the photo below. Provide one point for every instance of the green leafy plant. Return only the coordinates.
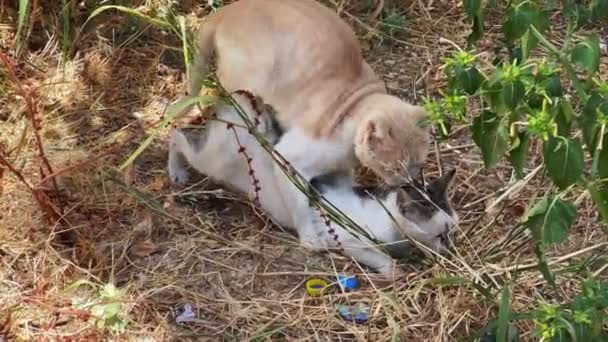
(580, 320)
(393, 22)
(523, 100)
(390, 25)
(107, 310)
(558, 101)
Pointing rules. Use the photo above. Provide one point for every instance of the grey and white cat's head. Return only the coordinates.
(425, 212)
(422, 211)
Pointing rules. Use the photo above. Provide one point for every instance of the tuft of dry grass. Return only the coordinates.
(206, 247)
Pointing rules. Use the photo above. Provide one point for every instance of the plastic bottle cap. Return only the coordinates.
(315, 287)
(348, 283)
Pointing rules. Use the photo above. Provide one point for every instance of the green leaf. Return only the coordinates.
(599, 192)
(576, 12)
(535, 101)
(519, 153)
(111, 310)
(516, 54)
(599, 9)
(116, 324)
(550, 219)
(394, 327)
(543, 266)
(602, 166)
(520, 17)
(586, 54)
(503, 315)
(132, 12)
(564, 160)
(512, 93)
(24, 8)
(564, 118)
(528, 40)
(553, 86)
(468, 79)
(476, 30)
(473, 8)
(493, 95)
(589, 122)
(599, 195)
(491, 135)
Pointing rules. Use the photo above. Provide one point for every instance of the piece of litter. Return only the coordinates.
(187, 315)
(347, 282)
(353, 313)
(315, 287)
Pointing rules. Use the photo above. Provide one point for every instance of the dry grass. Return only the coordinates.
(203, 246)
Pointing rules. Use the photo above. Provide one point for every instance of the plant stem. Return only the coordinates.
(596, 194)
(578, 86)
(597, 152)
(569, 32)
(600, 202)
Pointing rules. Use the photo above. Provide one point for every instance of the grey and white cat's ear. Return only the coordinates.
(441, 184)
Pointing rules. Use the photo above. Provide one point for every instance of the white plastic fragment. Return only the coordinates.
(187, 315)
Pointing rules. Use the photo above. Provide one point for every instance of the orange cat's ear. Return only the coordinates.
(376, 135)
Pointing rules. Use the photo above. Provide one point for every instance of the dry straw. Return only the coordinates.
(204, 246)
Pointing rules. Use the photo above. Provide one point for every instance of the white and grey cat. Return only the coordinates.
(422, 212)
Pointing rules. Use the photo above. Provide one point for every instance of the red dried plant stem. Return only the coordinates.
(78, 165)
(51, 213)
(78, 313)
(32, 115)
(242, 150)
(331, 231)
(2, 169)
(254, 104)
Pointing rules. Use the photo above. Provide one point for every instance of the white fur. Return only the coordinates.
(310, 157)
(219, 159)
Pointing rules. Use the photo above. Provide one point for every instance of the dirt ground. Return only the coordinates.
(244, 277)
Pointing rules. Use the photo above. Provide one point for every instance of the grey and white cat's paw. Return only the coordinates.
(390, 271)
(176, 163)
(178, 175)
(312, 243)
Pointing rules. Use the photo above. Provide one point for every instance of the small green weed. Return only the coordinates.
(391, 24)
(108, 311)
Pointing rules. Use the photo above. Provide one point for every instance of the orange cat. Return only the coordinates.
(304, 61)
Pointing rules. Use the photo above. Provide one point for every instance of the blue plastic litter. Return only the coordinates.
(353, 313)
(348, 283)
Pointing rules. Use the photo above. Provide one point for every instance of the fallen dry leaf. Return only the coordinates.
(144, 226)
(158, 183)
(145, 248)
(130, 175)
